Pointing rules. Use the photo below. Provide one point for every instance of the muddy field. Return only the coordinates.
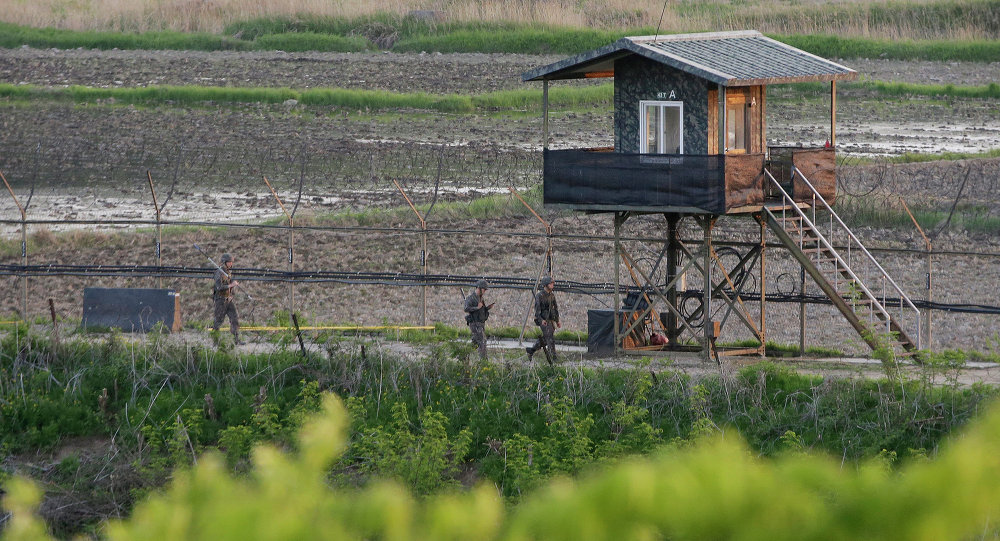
(88, 162)
(433, 73)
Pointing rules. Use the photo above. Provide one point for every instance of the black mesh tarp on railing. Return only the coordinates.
(622, 181)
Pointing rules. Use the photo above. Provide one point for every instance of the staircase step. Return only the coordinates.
(863, 311)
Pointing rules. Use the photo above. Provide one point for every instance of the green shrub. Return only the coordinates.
(426, 460)
(12, 36)
(715, 489)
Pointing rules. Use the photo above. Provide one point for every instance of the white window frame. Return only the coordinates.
(643, 105)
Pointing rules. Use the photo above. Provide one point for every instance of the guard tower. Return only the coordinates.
(690, 142)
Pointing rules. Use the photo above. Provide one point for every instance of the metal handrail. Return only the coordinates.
(885, 275)
(833, 215)
(828, 246)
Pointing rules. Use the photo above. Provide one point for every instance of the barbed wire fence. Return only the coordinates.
(355, 254)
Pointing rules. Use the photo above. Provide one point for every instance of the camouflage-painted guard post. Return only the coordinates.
(225, 300)
(547, 319)
(476, 314)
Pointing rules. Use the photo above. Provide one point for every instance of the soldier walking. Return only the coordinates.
(225, 300)
(547, 319)
(476, 314)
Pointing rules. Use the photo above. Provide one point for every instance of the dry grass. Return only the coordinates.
(777, 16)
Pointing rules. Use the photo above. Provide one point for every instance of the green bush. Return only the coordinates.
(12, 36)
(850, 47)
(716, 489)
(436, 421)
(427, 460)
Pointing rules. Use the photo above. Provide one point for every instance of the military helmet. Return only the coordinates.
(482, 284)
(227, 258)
(547, 280)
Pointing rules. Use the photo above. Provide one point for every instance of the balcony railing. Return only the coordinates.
(604, 180)
(587, 180)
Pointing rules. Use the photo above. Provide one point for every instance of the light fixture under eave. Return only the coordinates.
(599, 74)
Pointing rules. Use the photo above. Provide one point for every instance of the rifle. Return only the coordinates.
(468, 316)
(228, 275)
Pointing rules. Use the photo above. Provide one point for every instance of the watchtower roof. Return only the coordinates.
(744, 58)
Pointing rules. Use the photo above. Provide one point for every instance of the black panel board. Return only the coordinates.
(634, 181)
(128, 309)
(601, 330)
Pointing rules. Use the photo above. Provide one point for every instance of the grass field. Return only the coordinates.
(914, 19)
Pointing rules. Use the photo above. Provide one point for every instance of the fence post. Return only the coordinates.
(423, 251)
(547, 259)
(24, 249)
(802, 311)
(159, 234)
(291, 250)
(548, 227)
(927, 245)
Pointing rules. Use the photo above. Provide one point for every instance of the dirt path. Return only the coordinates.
(575, 356)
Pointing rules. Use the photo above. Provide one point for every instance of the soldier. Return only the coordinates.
(476, 314)
(225, 304)
(547, 319)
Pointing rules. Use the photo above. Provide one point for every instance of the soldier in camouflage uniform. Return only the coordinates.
(222, 293)
(547, 319)
(476, 314)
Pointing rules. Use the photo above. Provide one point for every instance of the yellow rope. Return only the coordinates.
(343, 328)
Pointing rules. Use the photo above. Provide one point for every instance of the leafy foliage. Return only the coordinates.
(443, 422)
(715, 489)
(426, 459)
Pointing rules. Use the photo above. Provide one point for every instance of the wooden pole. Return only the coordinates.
(531, 300)
(24, 249)
(545, 114)
(619, 220)
(707, 224)
(548, 227)
(833, 113)
(291, 250)
(802, 311)
(55, 323)
(673, 332)
(763, 293)
(930, 296)
(929, 248)
(423, 270)
(423, 249)
(723, 128)
(159, 232)
(298, 333)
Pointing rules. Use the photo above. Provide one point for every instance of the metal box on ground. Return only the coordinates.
(601, 331)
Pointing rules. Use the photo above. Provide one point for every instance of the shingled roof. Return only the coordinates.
(743, 58)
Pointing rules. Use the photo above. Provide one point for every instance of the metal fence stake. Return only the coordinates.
(24, 248)
(159, 231)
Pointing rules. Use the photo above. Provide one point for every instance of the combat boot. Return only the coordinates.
(548, 357)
